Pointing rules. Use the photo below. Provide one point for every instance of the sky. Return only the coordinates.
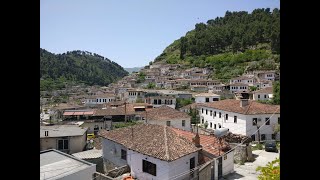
(129, 32)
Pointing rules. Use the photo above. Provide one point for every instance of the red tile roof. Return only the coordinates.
(209, 144)
(157, 141)
(166, 113)
(233, 105)
(267, 90)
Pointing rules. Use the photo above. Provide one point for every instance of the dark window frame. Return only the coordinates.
(123, 154)
(267, 121)
(149, 167)
(235, 119)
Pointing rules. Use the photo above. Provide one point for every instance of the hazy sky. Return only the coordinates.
(129, 32)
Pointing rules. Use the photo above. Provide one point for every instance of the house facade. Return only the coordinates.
(148, 150)
(242, 117)
(66, 138)
(206, 97)
(239, 87)
(263, 94)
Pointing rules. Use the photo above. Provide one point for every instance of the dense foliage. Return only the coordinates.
(271, 171)
(232, 44)
(276, 92)
(78, 66)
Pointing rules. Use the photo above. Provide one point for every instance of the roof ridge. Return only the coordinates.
(165, 142)
(246, 111)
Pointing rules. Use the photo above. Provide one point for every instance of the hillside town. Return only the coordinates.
(163, 122)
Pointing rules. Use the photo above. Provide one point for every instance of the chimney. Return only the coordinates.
(244, 102)
(196, 140)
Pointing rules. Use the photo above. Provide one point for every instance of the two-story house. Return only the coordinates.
(242, 117)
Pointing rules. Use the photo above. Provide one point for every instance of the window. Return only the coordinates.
(225, 157)
(215, 126)
(123, 154)
(206, 111)
(100, 100)
(207, 99)
(215, 114)
(263, 137)
(226, 116)
(159, 101)
(202, 120)
(210, 112)
(149, 167)
(219, 114)
(254, 121)
(273, 136)
(253, 137)
(267, 121)
(258, 96)
(211, 125)
(278, 120)
(265, 96)
(219, 125)
(201, 110)
(183, 123)
(155, 101)
(63, 144)
(168, 123)
(235, 119)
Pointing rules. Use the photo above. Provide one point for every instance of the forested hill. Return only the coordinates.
(230, 44)
(78, 66)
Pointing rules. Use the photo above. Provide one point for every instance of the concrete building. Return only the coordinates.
(239, 87)
(55, 164)
(66, 138)
(99, 99)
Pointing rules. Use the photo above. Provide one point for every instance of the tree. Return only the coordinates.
(150, 63)
(206, 124)
(276, 93)
(271, 171)
(151, 86)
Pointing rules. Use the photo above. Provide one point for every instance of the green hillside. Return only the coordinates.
(77, 66)
(231, 44)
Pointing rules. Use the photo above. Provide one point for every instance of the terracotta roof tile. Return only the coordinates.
(253, 107)
(157, 141)
(166, 113)
(268, 90)
(209, 144)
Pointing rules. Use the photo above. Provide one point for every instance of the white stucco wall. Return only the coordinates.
(111, 151)
(227, 165)
(164, 170)
(262, 96)
(176, 123)
(238, 128)
(202, 99)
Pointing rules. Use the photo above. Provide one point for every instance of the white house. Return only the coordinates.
(134, 94)
(66, 138)
(263, 94)
(265, 75)
(239, 87)
(152, 152)
(243, 79)
(158, 101)
(55, 164)
(99, 99)
(242, 117)
(165, 115)
(206, 97)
